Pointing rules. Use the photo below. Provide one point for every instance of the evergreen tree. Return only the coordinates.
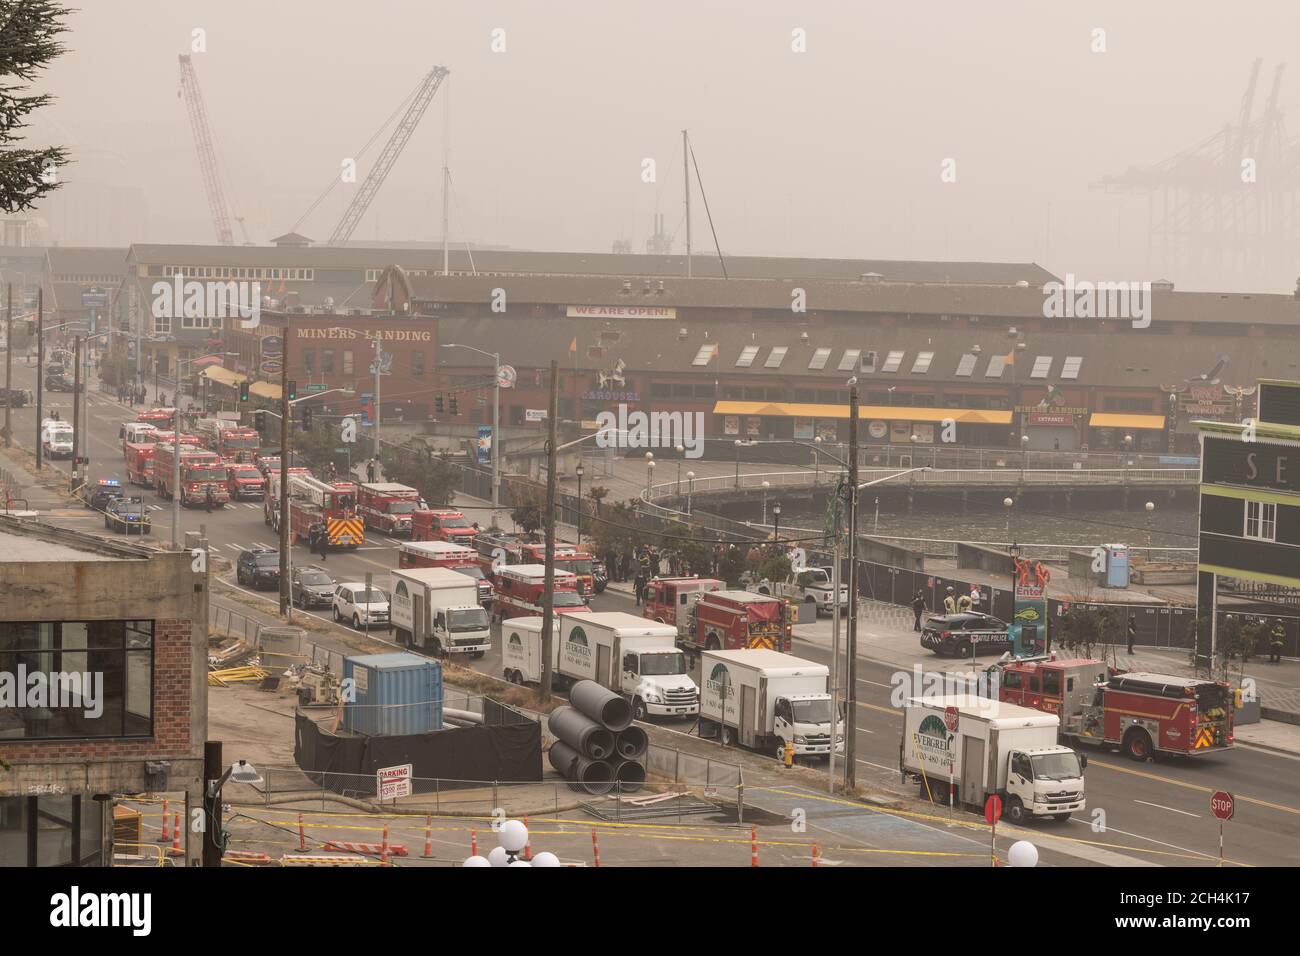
(29, 31)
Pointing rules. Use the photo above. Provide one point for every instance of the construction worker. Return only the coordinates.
(918, 608)
(1132, 631)
(1277, 640)
(950, 603)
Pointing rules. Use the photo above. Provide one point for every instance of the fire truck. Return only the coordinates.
(1139, 714)
(444, 554)
(271, 503)
(388, 506)
(735, 620)
(187, 440)
(502, 550)
(139, 463)
(669, 600)
(156, 416)
(442, 524)
(200, 470)
(520, 589)
(245, 481)
(313, 502)
(232, 442)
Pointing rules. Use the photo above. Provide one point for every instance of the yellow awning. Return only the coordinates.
(889, 413)
(223, 375)
(1109, 420)
(265, 390)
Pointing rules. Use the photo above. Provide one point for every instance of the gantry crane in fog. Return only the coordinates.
(419, 102)
(1228, 204)
(217, 206)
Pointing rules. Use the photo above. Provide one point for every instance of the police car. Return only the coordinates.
(101, 494)
(965, 634)
(127, 515)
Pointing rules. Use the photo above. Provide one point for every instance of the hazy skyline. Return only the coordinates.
(836, 151)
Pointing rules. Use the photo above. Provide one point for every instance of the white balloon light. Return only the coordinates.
(513, 836)
(1023, 853)
(498, 856)
(546, 858)
(477, 861)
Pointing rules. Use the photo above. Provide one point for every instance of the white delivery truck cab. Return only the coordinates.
(763, 699)
(437, 609)
(976, 746)
(629, 655)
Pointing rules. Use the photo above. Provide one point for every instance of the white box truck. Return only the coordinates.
(437, 609)
(521, 649)
(631, 656)
(763, 699)
(976, 747)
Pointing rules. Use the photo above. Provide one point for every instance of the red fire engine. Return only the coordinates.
(200, 470)
(271, 503)
(314, 504)
(504, 550)
(244, 481)
(669, 600)
(1140, 714)
(442, 524)
(156, 416)
(519, 591)
(444, 554)
(388, 506)
(187, 440)
(736, 620)
(238, 444)
(139, 463)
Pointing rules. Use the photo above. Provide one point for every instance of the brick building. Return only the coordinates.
(122, 631)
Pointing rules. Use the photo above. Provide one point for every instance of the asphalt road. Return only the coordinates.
(1161, 808)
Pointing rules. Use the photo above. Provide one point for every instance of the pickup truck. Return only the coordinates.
(809, 586)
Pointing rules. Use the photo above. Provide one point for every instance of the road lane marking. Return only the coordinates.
(1139, 836)
(1191, 786)
(1161, 806)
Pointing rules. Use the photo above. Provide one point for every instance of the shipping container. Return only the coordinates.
(394, 694)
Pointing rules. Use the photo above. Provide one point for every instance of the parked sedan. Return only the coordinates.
(311, 587)
(127, 516)
(259, 568)
(965, 634)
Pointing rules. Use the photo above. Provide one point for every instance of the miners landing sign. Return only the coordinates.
(621, 312)
(347, 333)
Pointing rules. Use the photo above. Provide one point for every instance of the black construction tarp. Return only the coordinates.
(509, 750)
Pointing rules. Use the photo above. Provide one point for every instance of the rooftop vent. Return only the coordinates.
(871, 277)
(1162, 285)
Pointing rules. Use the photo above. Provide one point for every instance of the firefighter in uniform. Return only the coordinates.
(949, 603)
(1277, 640)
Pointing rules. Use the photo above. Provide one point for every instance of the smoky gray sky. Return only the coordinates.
(835, 151)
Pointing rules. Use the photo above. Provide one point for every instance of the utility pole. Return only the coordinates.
(40, 365)
(9, 360)
(212, 843)
(851, 642)
(686, 171)
(77, 346)
(285, 409)
(379, 357)
(548, 519)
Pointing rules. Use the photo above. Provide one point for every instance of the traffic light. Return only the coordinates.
(259, 419)
(293, 390)
(243, 391)
(437, 403)
(455, 410)
(306, 419)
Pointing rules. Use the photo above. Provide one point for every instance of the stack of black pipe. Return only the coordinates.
(597, 746)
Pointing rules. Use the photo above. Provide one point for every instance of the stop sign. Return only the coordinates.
(993, 809)
(1222, 804)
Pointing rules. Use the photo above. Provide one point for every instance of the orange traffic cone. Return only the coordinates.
(595, 846)
(383, 849)
(177, 849)
(302, 836)
(753, 846)
(428, 835)
(814, 855)
(166, 829)
(528, 844)
(473, 843)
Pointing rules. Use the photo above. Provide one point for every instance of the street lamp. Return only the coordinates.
(649, 474)
(681, 450)
(578, 471)
(1007, 503)
(738, 444)
(690, 489)
(1014, 551)
(496, 421)
(1150, 506)
(776, 515)
(766, 485)
(1024, 456)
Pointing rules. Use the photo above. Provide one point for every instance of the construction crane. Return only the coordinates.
(392, 149)
(207, 151)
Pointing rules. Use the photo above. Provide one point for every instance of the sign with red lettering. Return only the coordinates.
(393, 782)
(1223, 804)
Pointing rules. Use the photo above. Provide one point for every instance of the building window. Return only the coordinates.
(1261, 520)
(327, 361)
(162, 324)
(309, 359)
(347, 361)
(97, 679)
(417, 364)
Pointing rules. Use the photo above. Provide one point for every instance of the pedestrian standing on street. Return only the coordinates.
(1277, 641)
(918, 608)
(639, 585)
(207, 499)
(370, 470)
(950, 603)
(1132, 631)
(323, 540)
